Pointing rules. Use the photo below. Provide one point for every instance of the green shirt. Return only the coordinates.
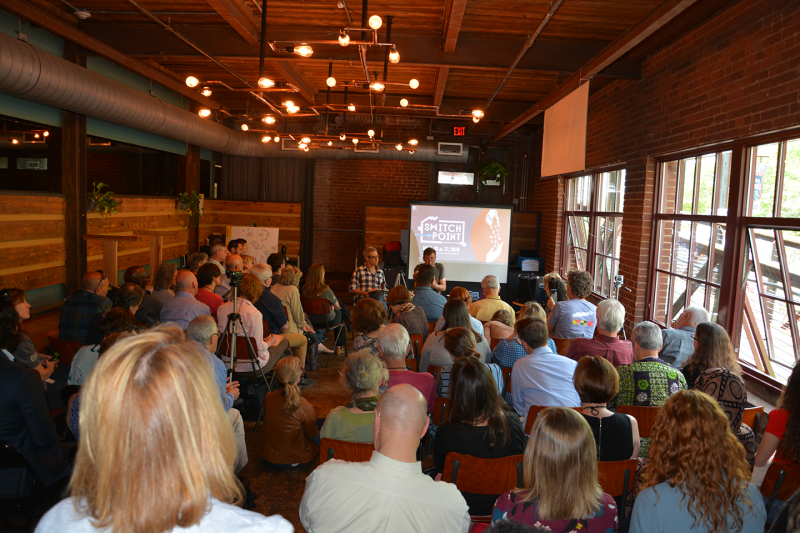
(343, 424)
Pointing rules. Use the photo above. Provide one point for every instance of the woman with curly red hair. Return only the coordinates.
(696, 476)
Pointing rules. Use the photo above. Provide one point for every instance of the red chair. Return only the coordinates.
(355, 452)
(411, 364)
(321, 307)
(533, 412)
(431, 327)
(752, 417)
(562, 345)
(645, 417)
(781, 481)
(66, 350)
(483, 476)
(494, 343)
(416, 346)
(616, 479)
(440, 409)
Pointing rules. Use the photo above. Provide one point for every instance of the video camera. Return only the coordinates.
(235, 278)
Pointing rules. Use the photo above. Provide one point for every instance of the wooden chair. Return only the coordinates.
(431, 327)
(781, 481)
(416, 346)
(411, 364)
(434, 371)
(66, 350)
(243, 356)
(616, 480)
(533, 412)
(483, 476)
(506, 381)
(645, 417)
(355, 452)
(322, 307)
(562, 345)
(752, 417)
(440, 409)
(494, 344)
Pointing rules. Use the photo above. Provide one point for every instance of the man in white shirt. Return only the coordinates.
(217, 254)
(389, 493)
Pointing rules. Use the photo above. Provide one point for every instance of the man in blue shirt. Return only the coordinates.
(429, 300)
(677, 343)
(184, 307)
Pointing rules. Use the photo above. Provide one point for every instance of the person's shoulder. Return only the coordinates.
(227, 517)
(63, 517)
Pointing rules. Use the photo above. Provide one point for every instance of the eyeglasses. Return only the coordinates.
(694, 336)
(101, 281)
(372, 257)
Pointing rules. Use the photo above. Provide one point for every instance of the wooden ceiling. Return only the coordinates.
(458, 50)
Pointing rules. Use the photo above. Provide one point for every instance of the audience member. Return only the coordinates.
(369, 316)
(512, 526)
(150, 308)
(405, 313)
(606, 342)
(208, 279)
(235, 247)
(616, 434)
(289, 296)
(542, 377)
(426, 298)
(368, 280)
(696, 477)
(560, 489)
(499, 327)
(117, 320)
(25, 421)
(648, 381)
(247, 262)
(178, 473)
(476, 424)
(575, 317)
(459, 343)
(164, 280)
(25, 354)
(394, 347)
(195, 261)
(233, 263)
(484, 309)
(455, 316)
(439, 283)
(390, 493)
(77, 312)
(217, 253)
(712, 349)
(127, 298)
(314, 288)
(552, 281)
(782, 435)
(460, 293)
(276, 263)
(273, 314)
(290, 435)
(728, 389)
(678, 342)
(363, 374)
(184, 307)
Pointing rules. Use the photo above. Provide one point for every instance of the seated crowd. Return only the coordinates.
(551, 387)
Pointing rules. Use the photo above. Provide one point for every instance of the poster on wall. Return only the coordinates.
(260, 241)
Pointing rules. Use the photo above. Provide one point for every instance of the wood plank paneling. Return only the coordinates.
(524, 233)
(383, 224)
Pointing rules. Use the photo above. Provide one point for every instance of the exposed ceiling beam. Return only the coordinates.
(54, 25)
(438, 88)
(621, 46)
(238, 15)
(294, 76)
(452, 25)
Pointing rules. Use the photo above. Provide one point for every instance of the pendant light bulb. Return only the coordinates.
(301, 145)
(413, 83)
(330, 143)
(276, 139)
(375, 22)
(478, 113)
(411, 151)
(351, 107)
(371, 133)
(475, 120)
(303, 50)
(288, 103)
(331, 82)
(46, 134)
(355, 141)
(305, 149)
(399, 147)
(342, 136)
(204, 113)
(245, 127)
(268, 120)
(413, 142)
(377, 86)
(305, 140)
(265, 139)
(394, 55)
(403, 103)
(14, 141)
(293, 109)
(206, 92)
(344, 39)
(191, 81)
(265, 83)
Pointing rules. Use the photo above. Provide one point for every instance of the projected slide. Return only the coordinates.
(471, 242)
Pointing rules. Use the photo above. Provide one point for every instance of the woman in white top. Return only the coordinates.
(178, 473)
(456, 316)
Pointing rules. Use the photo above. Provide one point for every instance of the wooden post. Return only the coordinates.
(110, 252)
(156, 245)
(188, 181)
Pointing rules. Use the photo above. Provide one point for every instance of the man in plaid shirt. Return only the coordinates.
(78, 311)
(368, 279)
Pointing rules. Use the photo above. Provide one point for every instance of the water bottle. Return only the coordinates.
(283, 250)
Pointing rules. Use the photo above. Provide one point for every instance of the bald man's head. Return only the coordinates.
(136, 275)
(402, 408)
(186, 281)
(234, 263)
(95, 282)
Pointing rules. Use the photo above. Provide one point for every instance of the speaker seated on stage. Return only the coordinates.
(425, 297)
(368, 280)
(439, 283)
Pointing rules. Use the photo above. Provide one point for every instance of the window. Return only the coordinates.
(594, 226)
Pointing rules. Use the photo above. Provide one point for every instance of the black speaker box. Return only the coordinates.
(531, 288)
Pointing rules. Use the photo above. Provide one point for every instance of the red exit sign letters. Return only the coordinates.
(459, 131)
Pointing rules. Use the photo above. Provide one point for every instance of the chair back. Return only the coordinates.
(616, 479)
(431, 327)
(416, 344)
(483, 476)
(534, 411)
(645, 417)
(506, 380)
(354, 452)
(242, 353)
(66, 350)
(752, 417)
(434, 371)
(317, 306)
(440, 409)
(12, 459)
(411, 364)
(562, 345)
(494, 343)
(780, 482)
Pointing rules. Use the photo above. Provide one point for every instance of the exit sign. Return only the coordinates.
(459, 131)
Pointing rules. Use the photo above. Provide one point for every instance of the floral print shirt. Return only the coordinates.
(511, 506)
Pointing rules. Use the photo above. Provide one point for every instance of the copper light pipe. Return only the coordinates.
(337, 108)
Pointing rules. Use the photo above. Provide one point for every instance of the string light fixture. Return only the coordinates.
(266, 83)
(268, 120)
(394, 55)
(413, 142)
(403, 103)
(206, 92)
(342, 136)
(204, 113)
(351, 107)
(331, 82)
(191, 81)
(344, 39)
(245, 127)
(265, 139)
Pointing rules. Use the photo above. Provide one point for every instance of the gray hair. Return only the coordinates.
(696, 315)
(369, 249)
(648, 335)
(262, 271)
(610, 315)
(201, 329)
(216, 247)
(394, 341)
(490, 282)
(364, 371)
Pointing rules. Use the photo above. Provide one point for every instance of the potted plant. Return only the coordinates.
(190, 202)
(492, 173)
(102, 202)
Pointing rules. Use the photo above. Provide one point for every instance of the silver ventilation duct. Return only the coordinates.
(33, 74)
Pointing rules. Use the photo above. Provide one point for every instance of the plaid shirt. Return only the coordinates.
(612, 349)
(364, 280)
(77, 313)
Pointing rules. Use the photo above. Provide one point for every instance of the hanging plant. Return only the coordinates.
(104, 203)
(492, 171)
(190, 202)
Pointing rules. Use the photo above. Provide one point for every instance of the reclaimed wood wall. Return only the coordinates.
(382, 224)
(524, 233)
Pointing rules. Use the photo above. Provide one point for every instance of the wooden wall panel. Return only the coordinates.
(524, 233)
(32, 245)
(382, 224)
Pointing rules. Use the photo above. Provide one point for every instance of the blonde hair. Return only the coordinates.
(248, 259)
(531, 309)
(290, 275)
(153, 449)
(561, 466)
(287, 371)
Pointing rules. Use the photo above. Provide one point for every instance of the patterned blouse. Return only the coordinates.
(510, 505)
(648, 383)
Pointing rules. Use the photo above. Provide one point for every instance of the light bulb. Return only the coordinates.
(413, 84)
(330, 143)
(344, 39)
(46, 134)
(14, 141)
(375, 22)
(35, 135)
(399, 147)
(204, 112)
(306, 140)
(477, 113)
(304, 50)
(351, 107)
(331, 82)
(265, 139)
(305, 149)
(403, 103)
(342, 136)
(411, 151)
(206, 92)
(276, 139)
(377, 86)
(301, 145)
(475, 120)
(371, 133)
(413, 142)
(245, 127)
(191, 81)
(268, 120)
(355, 141)
(394, 55)
(265, 83)
(288, 103)
(293, 109)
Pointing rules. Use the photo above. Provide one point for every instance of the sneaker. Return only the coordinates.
(321, 348)
(305, 382)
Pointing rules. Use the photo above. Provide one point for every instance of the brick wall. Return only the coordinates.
(342, 190)
(108, 168)
(734, 76)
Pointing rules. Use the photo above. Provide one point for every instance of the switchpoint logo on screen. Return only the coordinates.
(447, 233)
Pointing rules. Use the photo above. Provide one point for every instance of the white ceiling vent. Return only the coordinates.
(450, 149)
